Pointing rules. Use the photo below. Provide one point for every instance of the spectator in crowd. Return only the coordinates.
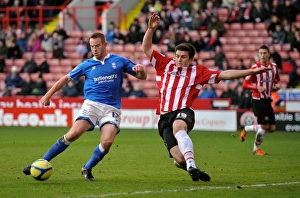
(225, 65)
(278, 36)
(175, 13)
(146, 6)
(119, 38)
(56, 38)
(47, 43)
(209, 9)
(27, 86)
(44, 67)
(3, 55)
(70, 90)
(213, 41)
(217, 25)
(13, 80)
(14, 51)
(3, 49)
(185, 5)
(61, 32)
(239, 64)
(272, 26)
(205, 20)
(34, 43)
(198, 42)
(133, 35)
(260, 14)
(275, 9)
(3, 90)
(165, 22)
(186, 20)
(289, 11)
(295, 44)
(219, 57)
(242, 98)
(289, 65)
(126, 86)
(158, 6)
(229, 94)
(275, 56)
(247, 14)
(180, 34)
(158, 37)
(39, 87)
(57, 52)
(235, 13)
(137, 91)
(295, 79)
(290, 34)
(30, 65)
(171, 42)
(196, 21)
(110, 35)
(208, 92)
(81, 47)
(22, 41)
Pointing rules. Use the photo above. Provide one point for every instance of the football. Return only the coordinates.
(41, 170)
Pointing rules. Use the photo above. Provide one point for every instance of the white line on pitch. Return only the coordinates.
(196, 188)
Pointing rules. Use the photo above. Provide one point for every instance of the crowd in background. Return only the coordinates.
(178, 18)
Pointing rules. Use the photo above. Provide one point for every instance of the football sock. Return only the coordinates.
(57, 148)
(185, 145)
(251, 127)
(97, 156)
(260, 134)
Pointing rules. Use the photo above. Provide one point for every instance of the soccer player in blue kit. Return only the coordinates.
(102, 100)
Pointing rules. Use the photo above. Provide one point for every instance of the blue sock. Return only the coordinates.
(56, 149)
(96, 157)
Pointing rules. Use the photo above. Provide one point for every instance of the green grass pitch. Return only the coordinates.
(138, 166)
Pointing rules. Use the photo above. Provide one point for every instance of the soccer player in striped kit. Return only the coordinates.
(179, 82)
(262, 86)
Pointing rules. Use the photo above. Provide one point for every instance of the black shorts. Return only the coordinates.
(263, 111)
(165, 124)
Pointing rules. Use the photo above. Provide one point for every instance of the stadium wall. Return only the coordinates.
(136, 113)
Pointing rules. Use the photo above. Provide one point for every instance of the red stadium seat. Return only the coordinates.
(247, 26)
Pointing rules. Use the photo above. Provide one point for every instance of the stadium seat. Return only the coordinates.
(260, 26)
(48, 76)
(117, 48)
(205, 55)
(235, 26)
(2, 76)
(294, 55)
(284, 78)
(209, 63)
(286, 47)
(151, 93)
(19, 63)
(233, 40)
(53, 62)
(246, 40)
(39, 55)
(298, 62)
(237, 48)
(252, 33)
(65, 62)
(247, 26)
(129, 47)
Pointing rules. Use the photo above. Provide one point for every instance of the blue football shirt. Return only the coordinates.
(103, 80)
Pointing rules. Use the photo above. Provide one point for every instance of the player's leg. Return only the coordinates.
(265, 115)
(78, 128)
(109, 126)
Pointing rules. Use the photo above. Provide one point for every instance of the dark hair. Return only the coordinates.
(264, 47)
(186, 47)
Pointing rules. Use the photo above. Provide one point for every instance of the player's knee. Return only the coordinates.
(106, 145)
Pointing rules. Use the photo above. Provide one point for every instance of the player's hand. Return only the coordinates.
(261, 70)
(45, 101)
(138, 68)
(153, 21)
(276, 87)
(260, 89)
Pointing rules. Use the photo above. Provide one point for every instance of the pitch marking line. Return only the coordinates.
(196, 188)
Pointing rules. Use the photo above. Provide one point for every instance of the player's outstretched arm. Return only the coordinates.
(147, 40)
(45, 100)
(233, 74)
(140, 71)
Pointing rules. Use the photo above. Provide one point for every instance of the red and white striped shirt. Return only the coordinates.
(179, 86)
(266, 80)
